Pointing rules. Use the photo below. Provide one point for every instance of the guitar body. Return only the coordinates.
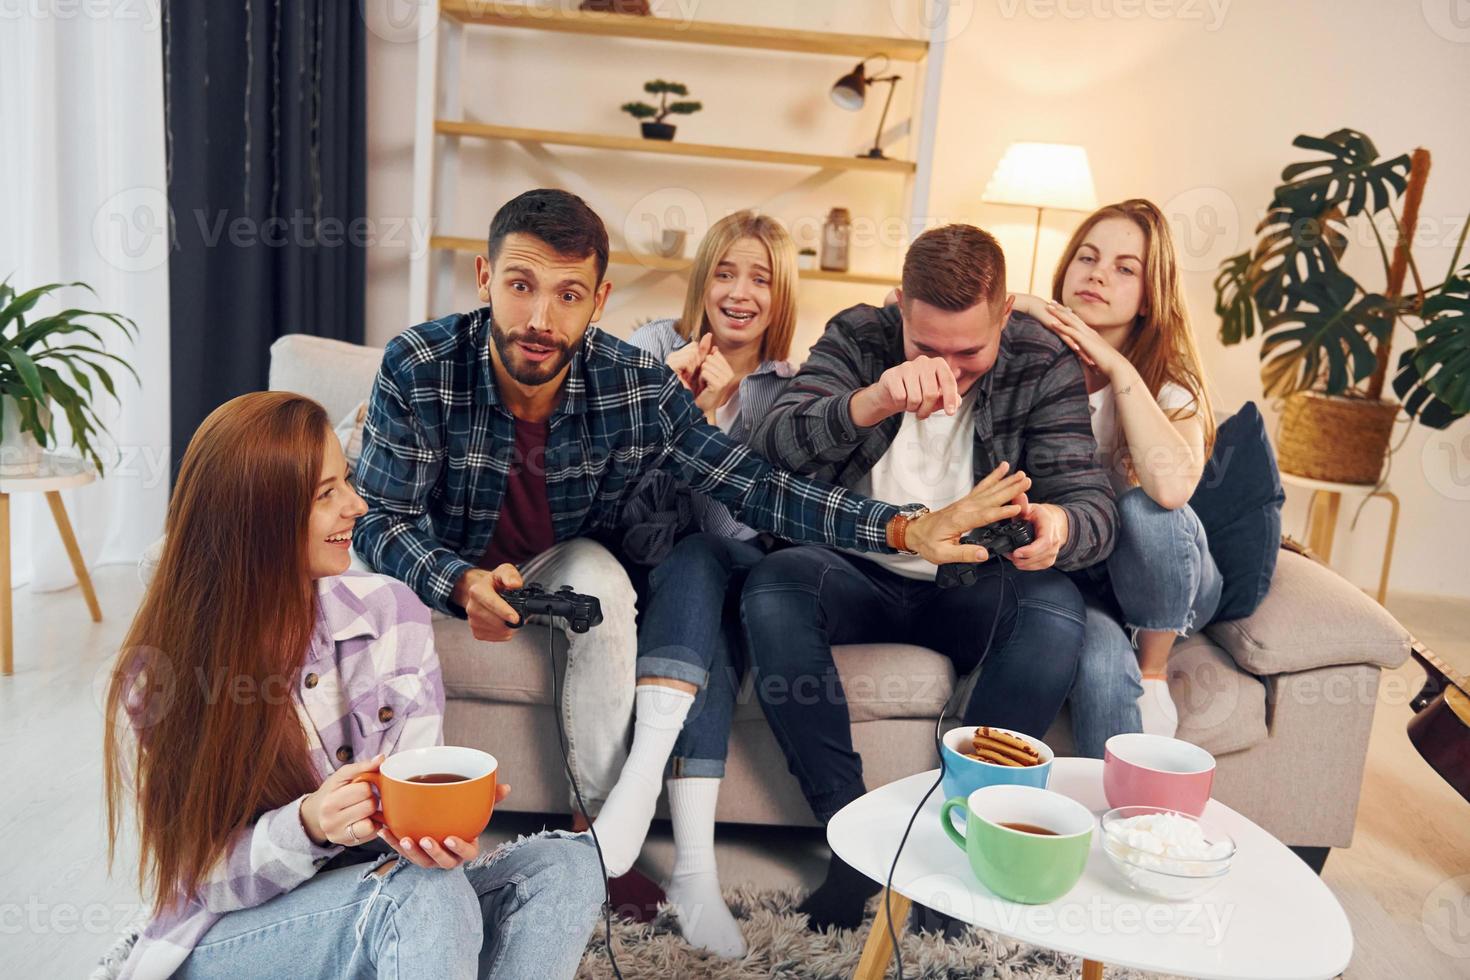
(1440, 728)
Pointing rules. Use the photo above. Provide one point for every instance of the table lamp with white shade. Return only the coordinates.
(1041, 176)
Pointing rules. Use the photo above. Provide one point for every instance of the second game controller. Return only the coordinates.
(1000, 538)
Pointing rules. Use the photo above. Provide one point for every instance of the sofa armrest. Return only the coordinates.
(1312, 617)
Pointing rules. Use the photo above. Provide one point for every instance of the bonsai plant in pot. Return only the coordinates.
(657, 129)
(54, 364)
(1326, 338)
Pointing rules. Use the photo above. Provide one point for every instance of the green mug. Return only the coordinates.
(1039, 857)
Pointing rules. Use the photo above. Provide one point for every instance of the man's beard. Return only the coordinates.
(524, 372)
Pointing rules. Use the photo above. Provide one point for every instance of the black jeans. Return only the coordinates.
(797, 604)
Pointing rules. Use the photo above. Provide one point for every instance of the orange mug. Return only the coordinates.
(436, 809)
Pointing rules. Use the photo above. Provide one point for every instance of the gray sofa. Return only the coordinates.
(1283, 699)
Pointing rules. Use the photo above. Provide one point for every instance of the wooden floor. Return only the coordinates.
(1404, 882)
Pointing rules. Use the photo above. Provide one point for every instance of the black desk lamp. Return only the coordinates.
(849, 93)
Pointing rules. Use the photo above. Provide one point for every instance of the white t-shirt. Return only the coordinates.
(931, 462)
(726, 414)
(1112, 451)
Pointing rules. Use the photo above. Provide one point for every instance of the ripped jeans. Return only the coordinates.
(525, 910)
(1163, 578)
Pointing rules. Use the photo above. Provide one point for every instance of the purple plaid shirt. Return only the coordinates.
(371, 683)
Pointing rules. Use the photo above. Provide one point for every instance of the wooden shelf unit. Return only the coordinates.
(636, 144)
(499, 14)
(440, 118)
(661, 263)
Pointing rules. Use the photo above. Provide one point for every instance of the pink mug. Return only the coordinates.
(1152, 770)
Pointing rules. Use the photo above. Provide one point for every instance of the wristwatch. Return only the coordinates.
(900, 524)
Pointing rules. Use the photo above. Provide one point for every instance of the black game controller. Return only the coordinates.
(581, 611)
(1000, 538)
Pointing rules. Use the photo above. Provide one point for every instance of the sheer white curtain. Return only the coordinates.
(83, 197)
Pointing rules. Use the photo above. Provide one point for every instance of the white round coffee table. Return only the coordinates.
(1271, 918)
(56, 473)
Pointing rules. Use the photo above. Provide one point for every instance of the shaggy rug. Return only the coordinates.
(781, 946)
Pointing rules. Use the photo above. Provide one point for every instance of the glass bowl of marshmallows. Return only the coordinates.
(1164, 853)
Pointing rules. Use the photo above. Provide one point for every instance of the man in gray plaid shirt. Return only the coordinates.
(914, 401)
(495, 444)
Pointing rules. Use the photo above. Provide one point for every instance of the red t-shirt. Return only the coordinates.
(523, 529)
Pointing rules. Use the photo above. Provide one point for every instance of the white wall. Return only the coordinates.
(82, 197)
(1192, 103)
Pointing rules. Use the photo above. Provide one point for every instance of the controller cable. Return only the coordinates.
(581, 806)
(938, 748)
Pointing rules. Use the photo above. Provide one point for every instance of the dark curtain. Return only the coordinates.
(266, 181)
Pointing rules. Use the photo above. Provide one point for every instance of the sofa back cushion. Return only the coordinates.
(1238, 501)
(337, 374)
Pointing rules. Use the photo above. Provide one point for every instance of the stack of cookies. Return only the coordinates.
(1003, 749)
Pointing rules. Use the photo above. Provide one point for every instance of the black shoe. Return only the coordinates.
(924, 919)
(841, 900)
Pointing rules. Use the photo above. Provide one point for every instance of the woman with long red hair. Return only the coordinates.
(1116, 301)
(258, 678)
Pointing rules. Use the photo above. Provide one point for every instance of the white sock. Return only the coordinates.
(694, 889)
(622, 825)
(1156, 707)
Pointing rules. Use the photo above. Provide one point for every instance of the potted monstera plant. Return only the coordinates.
(1326, 337)
(49, 366)
(657, 129)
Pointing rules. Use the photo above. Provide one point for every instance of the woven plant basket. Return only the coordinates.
(1335, 438)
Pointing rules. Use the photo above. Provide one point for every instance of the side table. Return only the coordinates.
(1322, 517)
(57, 473)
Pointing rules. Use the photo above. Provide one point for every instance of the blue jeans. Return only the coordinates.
(1163, 578)
(528, 913)
(801, 602)
(689, 631)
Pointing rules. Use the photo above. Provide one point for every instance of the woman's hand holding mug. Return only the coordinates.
(345, 810)
(341, 810)
(427, 853)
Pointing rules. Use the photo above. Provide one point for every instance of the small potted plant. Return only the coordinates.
(52, 363)
(806, 258)
(657, 129)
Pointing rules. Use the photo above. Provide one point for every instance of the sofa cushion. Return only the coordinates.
(1238, 501)
(1312, 617)
(881, 680)
(348, 430)
(1222, 709)
(513, 672)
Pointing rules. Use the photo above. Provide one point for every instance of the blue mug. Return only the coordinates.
(963, 775)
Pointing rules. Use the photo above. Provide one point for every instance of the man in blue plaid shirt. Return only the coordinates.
(496, 443)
